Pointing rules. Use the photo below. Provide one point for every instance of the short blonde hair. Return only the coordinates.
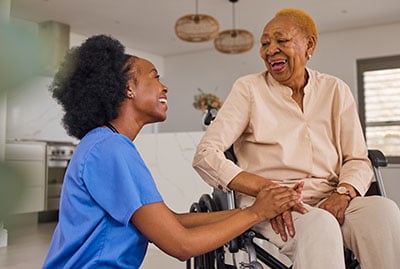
(302, 19)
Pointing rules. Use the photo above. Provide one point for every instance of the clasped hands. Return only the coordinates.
(284, 219)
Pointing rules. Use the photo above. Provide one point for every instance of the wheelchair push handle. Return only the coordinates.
(377, 158)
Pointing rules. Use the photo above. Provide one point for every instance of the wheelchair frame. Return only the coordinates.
(226, 200)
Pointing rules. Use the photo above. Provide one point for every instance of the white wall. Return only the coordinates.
(209, 70)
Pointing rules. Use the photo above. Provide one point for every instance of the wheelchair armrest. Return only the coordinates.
(377, 158)
(230, 154)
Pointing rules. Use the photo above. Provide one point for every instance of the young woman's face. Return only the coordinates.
(285, 49)
(149, 94)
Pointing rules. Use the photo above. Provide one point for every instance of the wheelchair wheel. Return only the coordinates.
(207, 204)
(213, 259)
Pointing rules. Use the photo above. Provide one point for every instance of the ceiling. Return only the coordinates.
(148, 25)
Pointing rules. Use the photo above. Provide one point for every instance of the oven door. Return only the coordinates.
(58, 156)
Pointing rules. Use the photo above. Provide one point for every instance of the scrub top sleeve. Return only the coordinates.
(118, 180)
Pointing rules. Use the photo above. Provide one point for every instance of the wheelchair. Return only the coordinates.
(254, 256)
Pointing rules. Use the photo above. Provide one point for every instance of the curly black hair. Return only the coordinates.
(91, 84)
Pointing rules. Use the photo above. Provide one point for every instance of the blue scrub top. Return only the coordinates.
(105, 183)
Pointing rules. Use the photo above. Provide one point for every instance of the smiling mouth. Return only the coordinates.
(278, 63)
(163, 100)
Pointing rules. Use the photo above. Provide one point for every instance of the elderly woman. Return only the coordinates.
(110, 208)
(291, 124)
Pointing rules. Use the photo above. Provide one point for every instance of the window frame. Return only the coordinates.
(372, 64)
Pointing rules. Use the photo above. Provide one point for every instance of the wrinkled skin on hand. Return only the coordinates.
(336, 204)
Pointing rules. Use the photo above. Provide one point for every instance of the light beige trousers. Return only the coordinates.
(371, 230)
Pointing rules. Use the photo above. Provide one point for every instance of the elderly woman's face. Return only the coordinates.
(285, 49)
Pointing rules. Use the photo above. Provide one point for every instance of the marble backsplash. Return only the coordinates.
(32, 114)
(169, 158)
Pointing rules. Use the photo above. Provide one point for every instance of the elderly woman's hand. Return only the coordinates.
(284, 221)
(336, 204)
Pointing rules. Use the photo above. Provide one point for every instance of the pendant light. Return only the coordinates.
(196, 27)
(234, 40)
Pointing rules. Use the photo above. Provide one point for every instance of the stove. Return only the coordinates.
(58, 156)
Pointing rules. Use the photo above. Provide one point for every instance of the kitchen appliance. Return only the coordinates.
(58, 156)
(41, 165)
(28, 161)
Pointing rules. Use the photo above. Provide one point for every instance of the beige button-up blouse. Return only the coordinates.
(323, 145)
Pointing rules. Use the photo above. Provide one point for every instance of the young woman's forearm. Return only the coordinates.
(201, 239)
(191, 235)
(190, 220)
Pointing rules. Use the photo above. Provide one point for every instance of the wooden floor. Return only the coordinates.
(27, 245)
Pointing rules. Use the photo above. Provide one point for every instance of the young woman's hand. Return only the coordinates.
(274, 200)
(283, 223)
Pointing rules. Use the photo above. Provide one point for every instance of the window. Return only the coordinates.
(379, 104)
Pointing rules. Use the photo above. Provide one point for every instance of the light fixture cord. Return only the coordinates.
(233, 16)
(197, 7)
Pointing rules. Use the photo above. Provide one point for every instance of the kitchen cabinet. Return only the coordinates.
(29, 161)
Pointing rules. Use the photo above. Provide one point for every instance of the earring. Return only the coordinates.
(309, 56)
(131, 94)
